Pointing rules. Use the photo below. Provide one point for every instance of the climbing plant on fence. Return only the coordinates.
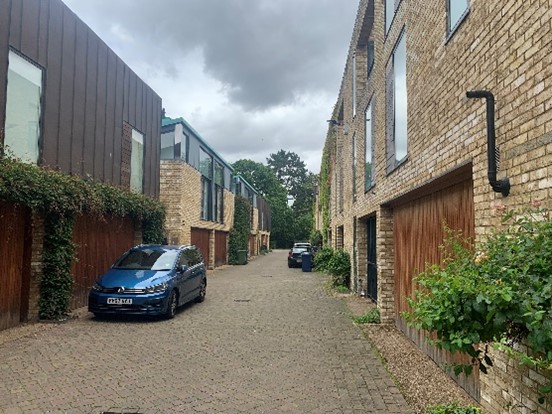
(61, 197)
(500, 294)
(239, 235)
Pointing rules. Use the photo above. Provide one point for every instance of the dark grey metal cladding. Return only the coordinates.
(88, 93)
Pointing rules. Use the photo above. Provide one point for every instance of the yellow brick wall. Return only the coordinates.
(501, 46)
(180, 192)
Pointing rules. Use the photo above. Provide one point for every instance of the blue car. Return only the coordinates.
(150, 280)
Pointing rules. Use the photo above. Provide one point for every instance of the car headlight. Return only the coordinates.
(97, 287)
(157, 288)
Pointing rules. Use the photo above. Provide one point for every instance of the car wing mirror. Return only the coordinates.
(182, 268)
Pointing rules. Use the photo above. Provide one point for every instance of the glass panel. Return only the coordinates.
(354, 85)
(368, 158)
(456, 9)
(371, 56)
(205, 199)
(219, 174)
(389, 13)
(183, 148)
(354, 165)
(205, 164)
(167, 146)
(399, 60)
(137, 162)
(23, 107)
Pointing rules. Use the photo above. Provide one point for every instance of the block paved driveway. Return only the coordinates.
(268, 339)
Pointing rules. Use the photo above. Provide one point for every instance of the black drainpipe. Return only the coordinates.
(499, 186)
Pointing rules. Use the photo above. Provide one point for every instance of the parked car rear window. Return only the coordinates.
(148, 259)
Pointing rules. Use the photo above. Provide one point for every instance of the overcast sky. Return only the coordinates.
(251, 76)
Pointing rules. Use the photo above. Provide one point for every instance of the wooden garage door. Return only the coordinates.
(418, 233)
(200, 238)
(221, 238)
(14, 264)
(99, 243)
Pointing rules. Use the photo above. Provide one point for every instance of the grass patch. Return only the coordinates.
(372, 316)
(453, 408)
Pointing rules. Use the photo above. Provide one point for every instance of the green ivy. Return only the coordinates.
(61, 198)
(325, 182)
(502, 293)
(58, 253)
(239, 235)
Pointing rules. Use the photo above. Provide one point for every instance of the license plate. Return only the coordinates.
(119, 301)
(299, 260)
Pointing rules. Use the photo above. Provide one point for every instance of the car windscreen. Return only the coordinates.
(300, 249)
(147, 259)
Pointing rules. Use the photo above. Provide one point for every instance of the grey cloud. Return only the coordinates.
(265, 52)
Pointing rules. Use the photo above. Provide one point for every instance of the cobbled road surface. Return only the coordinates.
(267, 339)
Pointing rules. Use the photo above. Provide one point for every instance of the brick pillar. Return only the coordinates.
(386, 265)
(362, 257)
(37, 247)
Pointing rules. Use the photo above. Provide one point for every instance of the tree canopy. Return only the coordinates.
(284, 178)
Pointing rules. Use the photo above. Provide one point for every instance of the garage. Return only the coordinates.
(419, 220)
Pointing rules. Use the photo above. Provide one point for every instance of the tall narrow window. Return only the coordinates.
(456, 10)
(396, 106)
(206, 169)
(219, 193)
(137, 162)
(370, 55)
(354, 166)
(389, 14)
(401, 131)
(354, 81)
(369, 153)
(23, 107)
(205, 199)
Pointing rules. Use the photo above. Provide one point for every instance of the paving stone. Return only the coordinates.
(268, 339)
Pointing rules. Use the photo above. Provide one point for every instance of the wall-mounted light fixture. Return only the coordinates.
(493, 155)
(333, 122)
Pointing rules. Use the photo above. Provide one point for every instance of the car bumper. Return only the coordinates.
(152, 304)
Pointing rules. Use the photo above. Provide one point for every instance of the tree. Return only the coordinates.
(290, 170)
(266, 183)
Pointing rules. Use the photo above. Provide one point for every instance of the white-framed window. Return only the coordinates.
(369, 150)
(137, 162)
(456, 11)
(23, 108)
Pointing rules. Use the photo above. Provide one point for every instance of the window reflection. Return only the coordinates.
(23, 108)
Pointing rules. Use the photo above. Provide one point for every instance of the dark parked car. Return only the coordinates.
(150, 280)
(294, 256)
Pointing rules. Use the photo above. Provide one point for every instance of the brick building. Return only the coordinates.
(198, 187)
(408, 149)
(69, 103)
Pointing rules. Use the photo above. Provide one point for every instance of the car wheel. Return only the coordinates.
(172, 305)
(202, 291)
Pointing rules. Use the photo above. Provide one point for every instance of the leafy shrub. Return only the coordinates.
(501, 293)
(339, 267)
(335, 262)
(316, 238)
(453, 408)
(322, 258)
(372, 316)
(239, 235)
